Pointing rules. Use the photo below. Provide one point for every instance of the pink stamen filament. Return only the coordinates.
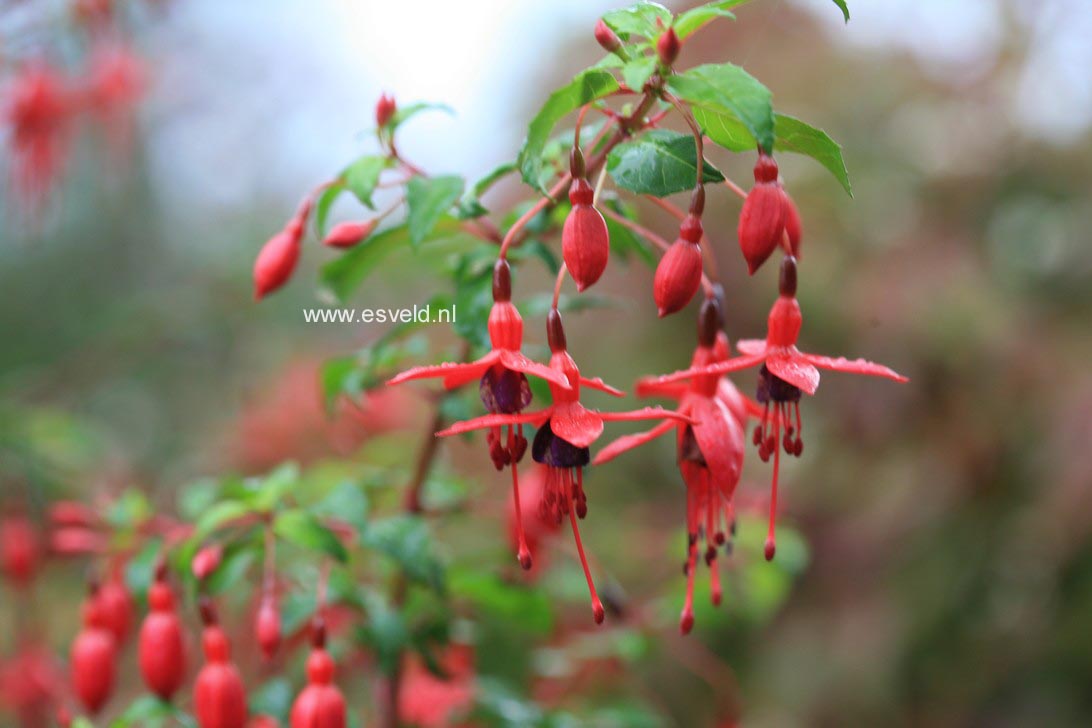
(597, 606)
(524, 553)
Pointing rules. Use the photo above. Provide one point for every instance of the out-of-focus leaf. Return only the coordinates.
(404, 113)
(233, 567)
(347, 503)
(362, 176)
(585, 87)
(427, 200)
(697, 18)
(217, 516)
(271, 490)
(843, 7)
(794, 135)
(326, 201)
(724, 95)
(497, 599)
(351, 375)
(303, 529)
(128, 511)
(140, 569)
(406, 540)
(646, 19)
(623, 241)
(659, 163)
(385, 632)
(637, 71)
(470, 205)
(197, 497)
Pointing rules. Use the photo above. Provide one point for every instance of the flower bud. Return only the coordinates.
(219, 698)
(348, 234)
(668, 46)
(268, 627)
(762, 221)
(678, 276)
(384, 110)
(93, 659)
(207, 560)
(116, 607)
(792, 224)
(161, 651)
(607, 38)
(585, 242)
(320, 703)
(277, 260)
(20, 552)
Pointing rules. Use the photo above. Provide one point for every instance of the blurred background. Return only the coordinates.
(943, 574)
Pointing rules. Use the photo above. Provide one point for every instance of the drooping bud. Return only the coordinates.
(161, 651)
(678, 276)
(585, 242)
(20, 551)
(607, 38)
(207, 560)
(219, 698)
(384, 110)
(268, 626)
(93, 658)
(277, 260)
(762, 221)
(793, 229)
(348, 234)
(116, 607)
(320, 704)
(667, 47)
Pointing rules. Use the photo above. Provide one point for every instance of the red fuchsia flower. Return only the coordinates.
(762, 221)
(116, 606)
(320, 704)
(786, 373)
(430, 701)
(585, 242)
(93, 658)
(668, 46)
(219, 698)
(385, 109)
(710, 458)
(39, 111)
(348, 234)
(117, 80)
(30, 682)
(277, 259)
(162, 652)
(678, 276)
(20, 549)
(566, 429)
(503, 386)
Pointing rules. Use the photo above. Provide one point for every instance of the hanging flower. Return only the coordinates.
(93, 658)
(566, 429)
(431, 701)
(39, 111)
(710, 456)
(219, 698)
(162, 652)
(585, 241)
(320, 704)
(762, 221)
(786, 373)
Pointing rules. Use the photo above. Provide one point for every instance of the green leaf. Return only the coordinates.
(794, 135)
(406, 539)
(217, 516)
(272, 698)
(232, 569)
(647, 19)
(322, 207)
(385, 632)
(362, 176)
(303, 529)
(498, 599)
(347, 503)
(470, 205)
(844, 8)
(585, 87)
(271, 490)
(427, 199)
(405, 113)
(637, 71)
(659, 163)
(726, 90)
(697, 18)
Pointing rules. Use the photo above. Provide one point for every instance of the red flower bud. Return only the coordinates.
(219, 698)
(268, 626)
(668, 46)
(20, 552)
(384, 110)
(93, 659)
(792, 224)
(71, 513)
(678, 276)
(277, 259)
(607, 37)
(762, 221)
(320, 704)
(162, 654)
(116, 608)
(76, 541)
(585, 242)
(348, 234)
(206, 560)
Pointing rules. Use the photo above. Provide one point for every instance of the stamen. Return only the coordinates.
(771, 543)
(524, 553)
(597, 606)
(714, 583)
(686, 619)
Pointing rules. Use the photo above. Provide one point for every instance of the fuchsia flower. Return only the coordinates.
(503, 387)
(710, 450)
(566, 429)
(786, 373)
(39, 111)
